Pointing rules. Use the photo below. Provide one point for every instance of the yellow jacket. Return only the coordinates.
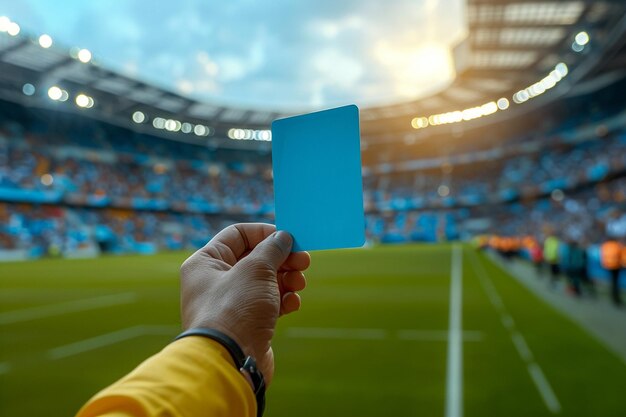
(192, 377)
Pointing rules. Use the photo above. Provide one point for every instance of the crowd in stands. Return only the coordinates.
(66, 189)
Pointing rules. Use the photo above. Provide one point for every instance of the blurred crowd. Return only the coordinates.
(95, 188)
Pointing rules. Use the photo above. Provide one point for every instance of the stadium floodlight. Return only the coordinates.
(64, 95)
(561, 69)
(200, 130)
(582, 38)
(186, 128)
(55, 93)
(265, 135)
(13, 29)
(139, 117)
(82, 100)
(5, 22)
(28, 89)
(84, 56)
(158, 123)
(576, 47)
(247, 134)
(502, 103)
(419, 122)
(172, 125)
(45, 41)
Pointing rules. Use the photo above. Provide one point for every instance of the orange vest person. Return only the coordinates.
(611, 254)
(611, 259)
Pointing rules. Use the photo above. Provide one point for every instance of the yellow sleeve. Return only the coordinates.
(191, 377)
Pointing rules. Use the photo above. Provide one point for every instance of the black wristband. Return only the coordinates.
(243, 363)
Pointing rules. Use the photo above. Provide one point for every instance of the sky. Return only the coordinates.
(278, 54)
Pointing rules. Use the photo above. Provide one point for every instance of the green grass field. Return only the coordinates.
(372, 338)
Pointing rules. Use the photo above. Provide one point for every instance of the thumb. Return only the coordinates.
(271, 253)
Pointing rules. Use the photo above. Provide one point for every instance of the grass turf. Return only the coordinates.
(375, 372)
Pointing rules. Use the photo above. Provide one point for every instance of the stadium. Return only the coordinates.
(467, 298)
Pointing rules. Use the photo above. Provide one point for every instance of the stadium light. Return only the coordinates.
(84, 56)
(503, 103)
(186, 128)
(13, 29)
(28, 89)
(158, 123)
(582, 38)
(5, 22)
(200, 130)
(576, 47)
(139, 117)
(84, 101)
(562, 69)
(419, 122)
(250, 134)
(45, 41)
(55, 93)
(543, 85)
(172, 125)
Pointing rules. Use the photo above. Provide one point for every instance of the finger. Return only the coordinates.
(292, 281)
(291, 302)
(270, 254)
(233, 242)
(297, 261)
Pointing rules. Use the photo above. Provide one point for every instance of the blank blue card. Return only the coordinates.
(318, 190)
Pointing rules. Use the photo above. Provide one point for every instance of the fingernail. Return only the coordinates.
(284, 237)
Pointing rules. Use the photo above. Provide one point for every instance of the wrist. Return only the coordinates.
(245, 364)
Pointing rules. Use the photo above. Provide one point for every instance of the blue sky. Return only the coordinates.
(279, 54)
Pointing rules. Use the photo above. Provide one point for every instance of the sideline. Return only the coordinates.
(534, 370)
(597, 316)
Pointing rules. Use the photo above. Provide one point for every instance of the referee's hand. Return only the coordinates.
(240, 283)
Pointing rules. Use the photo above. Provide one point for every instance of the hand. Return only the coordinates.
(240, 283)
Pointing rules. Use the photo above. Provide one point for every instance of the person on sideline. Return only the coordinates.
(610, 257)
(232, 292)
(551, 256)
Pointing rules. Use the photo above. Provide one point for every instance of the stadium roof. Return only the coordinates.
(510, 46)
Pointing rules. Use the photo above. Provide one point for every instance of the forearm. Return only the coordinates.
(193, 376)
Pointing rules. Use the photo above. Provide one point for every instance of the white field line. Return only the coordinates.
(544, 388)
(507, 321)
(454, 374)
(336, 333)
(536, 374)
(109, 339)
(377, 334)
(58, 309)
(437, 335)
(4, 368)
(521, 346)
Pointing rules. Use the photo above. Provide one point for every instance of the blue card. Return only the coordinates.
(318, 189)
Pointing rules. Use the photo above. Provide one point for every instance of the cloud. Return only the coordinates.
(280, 54)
